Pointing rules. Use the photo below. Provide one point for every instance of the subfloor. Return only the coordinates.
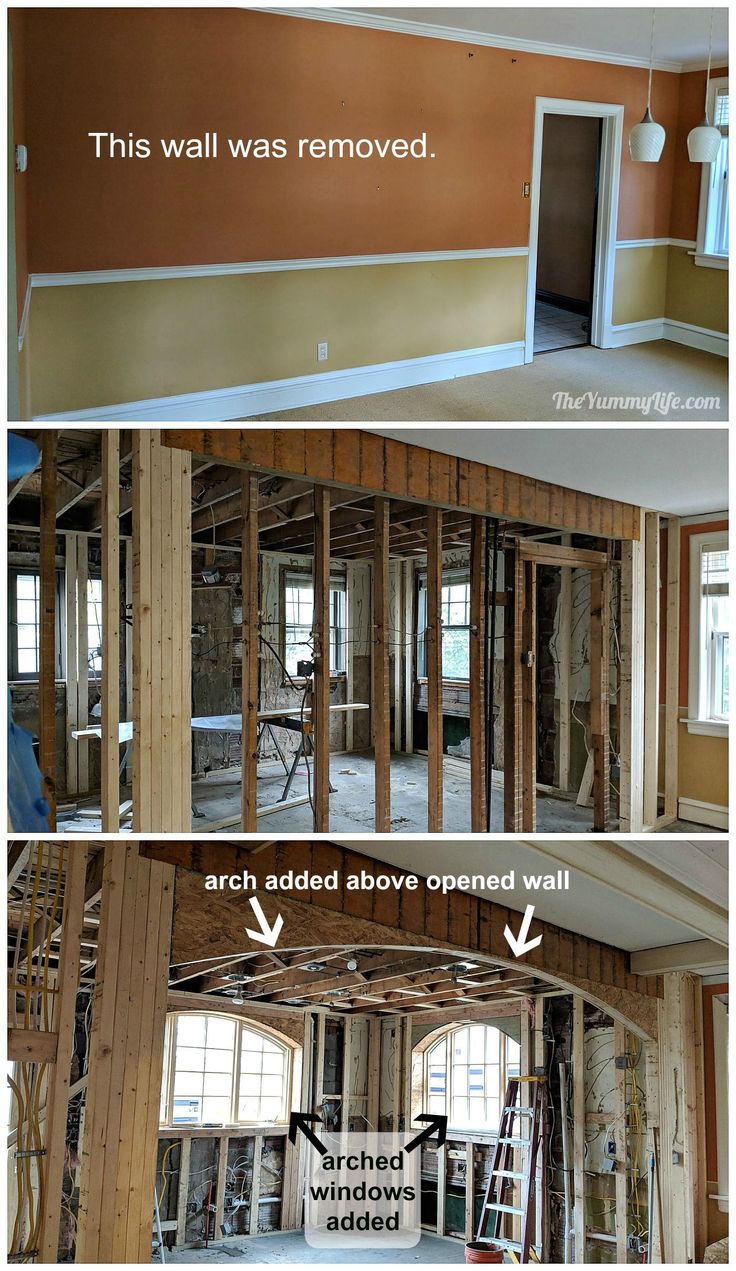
(556, 328)
(216, 801)
(290, 1246)
(528, 392)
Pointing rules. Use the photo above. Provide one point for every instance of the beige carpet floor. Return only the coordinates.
(527, 392)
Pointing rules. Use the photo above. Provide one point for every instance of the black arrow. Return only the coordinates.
(301, 1121)
(436, 1123)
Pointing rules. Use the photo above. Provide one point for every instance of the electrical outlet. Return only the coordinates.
(323, 351)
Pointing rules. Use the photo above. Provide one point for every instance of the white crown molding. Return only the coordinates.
(434, 31)
(90, 277)
(252, 400)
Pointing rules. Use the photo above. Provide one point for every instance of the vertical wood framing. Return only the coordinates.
(564, 647)
(381, 707)
(250, 640)
(600, 617)
(621, 1139)
(223, 1144)
(631, 689)
(255, 1187)
(126, 1058)
(529, 699)
(477, 670)
(321, 628)
(409, 668)
(469, 1189)
(651, 667)
(578, 1113)
(513, 714)
(110, 746)
(441, 1188)
(672, 669)
(71, 542)
(47, 624)
(162, 621)
(433, 647)
(350, 654)
(81, 677)
(64, 1025)
(181, 1200)
(395, 636)
(682, 1166)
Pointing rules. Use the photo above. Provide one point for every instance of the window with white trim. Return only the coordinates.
(709, 631)
(221, 1071)
(24, 598)
(455, 615)
(298, 644)
(465, 1075)
(712, 243)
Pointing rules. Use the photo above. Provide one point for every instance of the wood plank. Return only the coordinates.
(529, 698)
(564, 648)
(109, 745)
(578, 1116)
(552, 554)
(513, 713)
(64, 1023)
(142, 604)
(255, 1190)
(409, 655)
(71, 542)
(433, 657)
(414, 472)
(477, 671)
(672, 669)
(183, 1192)
(381, 712)
(250, 651)
(32, 1046)
(81, 678)
(321, 629)
(631, 688)
(651, 667)
(599, 696)
(621, 1137)
(47, 623)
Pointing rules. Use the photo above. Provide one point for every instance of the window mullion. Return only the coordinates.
(235, 1090)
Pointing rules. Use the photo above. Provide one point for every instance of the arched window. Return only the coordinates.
(465, 1075)
(221, 1071)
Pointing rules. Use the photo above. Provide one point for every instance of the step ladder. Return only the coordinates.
(521, 1129)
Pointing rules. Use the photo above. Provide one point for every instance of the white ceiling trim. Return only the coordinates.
(434, 31)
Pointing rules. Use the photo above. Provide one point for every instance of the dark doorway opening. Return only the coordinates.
(568, 216)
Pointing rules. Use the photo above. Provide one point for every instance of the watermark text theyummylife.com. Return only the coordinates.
(653, 403)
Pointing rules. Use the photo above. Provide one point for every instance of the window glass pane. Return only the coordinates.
(251, 1040)
(248, 1109)
(218, 1083)
(220, 1033)
(477, 1044)
(27, 586)
(26, 611)
(27, 661)
(460, 1046)
(190, 1030)
(271, 1084)
(188, 1083)
(273, 1062)
(190, 1057)
(251, 1061)
(215, 1110)
(270, 1109)
(219, 1061)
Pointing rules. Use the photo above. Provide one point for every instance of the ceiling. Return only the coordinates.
(683, 471)
(616, 34)
(593, 907)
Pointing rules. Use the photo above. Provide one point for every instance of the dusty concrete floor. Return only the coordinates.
(290, 1246)
(217, 797)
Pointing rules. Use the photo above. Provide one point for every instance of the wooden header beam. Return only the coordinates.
(356, 459)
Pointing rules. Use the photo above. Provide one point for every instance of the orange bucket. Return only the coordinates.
(483, 1251)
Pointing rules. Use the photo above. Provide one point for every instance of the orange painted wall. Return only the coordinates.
(16, 23)
(684, 219)
(179, 72)
(711, 1125)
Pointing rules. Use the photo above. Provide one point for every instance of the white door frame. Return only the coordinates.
(608, 183)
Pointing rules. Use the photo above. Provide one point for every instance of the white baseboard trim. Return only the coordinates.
(703, 813)
(624, 333)
(696, 337)
(251, 400)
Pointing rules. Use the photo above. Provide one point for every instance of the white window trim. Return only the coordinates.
(696, 722)
(710, 260)
(292, 1074)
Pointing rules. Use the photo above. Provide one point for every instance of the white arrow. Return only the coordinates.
(267, 935)
(519, 944)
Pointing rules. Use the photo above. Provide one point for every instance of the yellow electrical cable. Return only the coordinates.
(164, 1174)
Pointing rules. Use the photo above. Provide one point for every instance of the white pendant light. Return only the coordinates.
(647, 138)
(704, 142)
